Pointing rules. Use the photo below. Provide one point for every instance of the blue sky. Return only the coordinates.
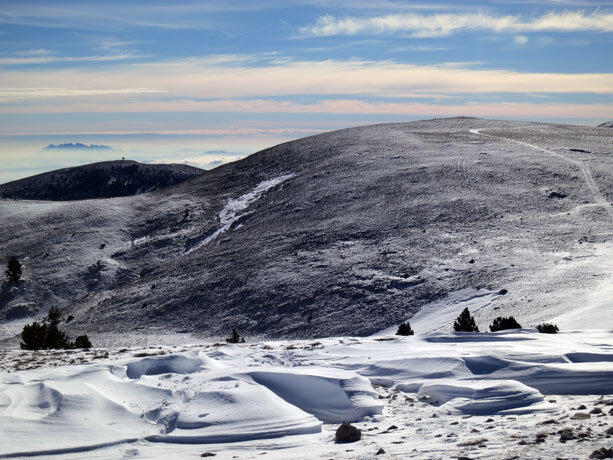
(153, 78)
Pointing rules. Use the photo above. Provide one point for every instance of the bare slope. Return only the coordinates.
(97, 180)
(347, 232)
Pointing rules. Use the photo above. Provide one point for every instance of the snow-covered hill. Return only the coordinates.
(97, 180)
(348, 232)
(513, 394)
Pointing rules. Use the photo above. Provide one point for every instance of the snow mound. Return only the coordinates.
(176, 364)
(252, 392)
(488, 397)
(330, 396)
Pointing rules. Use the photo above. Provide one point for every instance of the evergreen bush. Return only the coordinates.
(405, 329)
(547, 328)
(465, 322)
(501, 324)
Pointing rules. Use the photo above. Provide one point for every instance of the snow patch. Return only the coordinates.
(234, 209)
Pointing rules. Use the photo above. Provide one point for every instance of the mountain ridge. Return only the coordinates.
(372, 223)
(97, 180)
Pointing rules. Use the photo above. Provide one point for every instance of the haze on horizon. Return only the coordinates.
(209, 82)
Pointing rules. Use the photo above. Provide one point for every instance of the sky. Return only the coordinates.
(205, 82)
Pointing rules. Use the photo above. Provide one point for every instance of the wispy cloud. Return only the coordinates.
(520, 39)
(217, 77)
(441, 25)
(47, 58)
(16, 94)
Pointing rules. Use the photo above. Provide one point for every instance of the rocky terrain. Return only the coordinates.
(347, 232)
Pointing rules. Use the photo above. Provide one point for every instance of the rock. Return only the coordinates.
(382, 451)
(474, 430)
(393, 427)
(454, 423)
(581, 407)
(596, 410)
(609, 430)
(566, 434)
(580, 416)
(602, 453)
(347, 433)
(611, 412)
(208, 454)
(489, 420)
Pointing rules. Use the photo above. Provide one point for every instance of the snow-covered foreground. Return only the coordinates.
(433, 396)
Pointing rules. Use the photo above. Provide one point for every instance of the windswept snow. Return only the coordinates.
(286, 398)
(234, 209)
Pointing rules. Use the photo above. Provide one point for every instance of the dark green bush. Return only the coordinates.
(13, 270)
(501, 324)
(547, 328)
(47, 335)
(405, 329)
(82, 341)
(465, 322)
(235, 337)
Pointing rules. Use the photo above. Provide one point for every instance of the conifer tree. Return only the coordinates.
(405, 329)
(13, 270)
(465, 322)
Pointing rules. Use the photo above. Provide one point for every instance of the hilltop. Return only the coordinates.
(344, 233)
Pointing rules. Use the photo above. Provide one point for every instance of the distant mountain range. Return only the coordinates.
(608, 124)
(77, 146)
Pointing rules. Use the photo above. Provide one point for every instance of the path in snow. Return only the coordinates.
(587, 175)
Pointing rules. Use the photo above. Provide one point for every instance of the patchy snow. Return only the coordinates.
(287, 398)
(234, 208)
(440, 315)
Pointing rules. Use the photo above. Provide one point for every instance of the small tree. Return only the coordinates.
(465, 322)
(547, 328)
(235, 337)
(500, 324)
(82, 341)
(33, 336)
(13, 270)
(47, 335)
(405, 329)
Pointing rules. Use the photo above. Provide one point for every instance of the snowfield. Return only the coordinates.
(512, 394)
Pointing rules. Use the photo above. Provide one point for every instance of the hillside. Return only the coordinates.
(347, 232)
(97, 180)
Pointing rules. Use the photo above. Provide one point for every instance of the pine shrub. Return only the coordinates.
(465, 322)
(47, 335)
(547, 328)
(235, 337)
(82, 341)
(13, 270)
(501, 324)
(405, 329)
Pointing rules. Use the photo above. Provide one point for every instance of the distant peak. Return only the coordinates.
(77, 146)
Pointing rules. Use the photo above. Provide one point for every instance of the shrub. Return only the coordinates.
(465, 322)
(547, 328)
(235, 337)
(13, 270)
(500, 324)
(405, 329)
(47, 336)
(34, 336)
(82, 341)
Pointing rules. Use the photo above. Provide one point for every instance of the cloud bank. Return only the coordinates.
(442, 25)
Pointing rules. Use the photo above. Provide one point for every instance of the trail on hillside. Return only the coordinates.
(587, 175)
